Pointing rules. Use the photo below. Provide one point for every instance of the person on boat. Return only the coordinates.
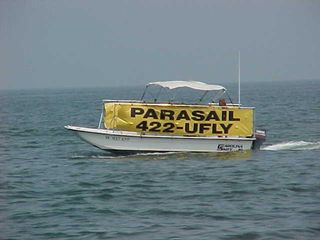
(222, 102)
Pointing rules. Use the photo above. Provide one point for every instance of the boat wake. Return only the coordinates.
(293, 146)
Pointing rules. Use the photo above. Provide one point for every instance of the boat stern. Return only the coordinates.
(260, 136)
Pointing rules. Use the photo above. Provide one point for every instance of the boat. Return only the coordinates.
(165, 124)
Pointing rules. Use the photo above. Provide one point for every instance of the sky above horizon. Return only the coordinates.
(79, 43)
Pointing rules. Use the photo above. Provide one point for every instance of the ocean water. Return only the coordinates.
(54, 186)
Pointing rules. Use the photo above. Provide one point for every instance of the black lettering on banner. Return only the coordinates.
(198, 115)
(203, 127)
(168, 127)
(143, 126)
(215, 129)
(183, 115)
(203, 124)
(224, 116)
(226, 128)
(232, 118)
(151, 113)
(212, 116)
(166, 113)
(189, 130)
(136, 111)
(155, 127)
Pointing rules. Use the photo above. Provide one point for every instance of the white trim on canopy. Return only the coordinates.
(189, 84)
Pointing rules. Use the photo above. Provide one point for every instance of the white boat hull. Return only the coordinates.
(130, 141)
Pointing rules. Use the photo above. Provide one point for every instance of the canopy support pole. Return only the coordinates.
(144, 92)
(229, 98)
(101, 116)
(205, 93)
(239, 78)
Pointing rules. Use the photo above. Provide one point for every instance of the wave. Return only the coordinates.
(293, 146)
(89, 156)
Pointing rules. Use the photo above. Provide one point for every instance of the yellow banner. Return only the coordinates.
(167, 119)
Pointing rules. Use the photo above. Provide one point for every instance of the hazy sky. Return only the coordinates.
(78, 43)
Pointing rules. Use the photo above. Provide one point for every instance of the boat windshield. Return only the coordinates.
(190, 92)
